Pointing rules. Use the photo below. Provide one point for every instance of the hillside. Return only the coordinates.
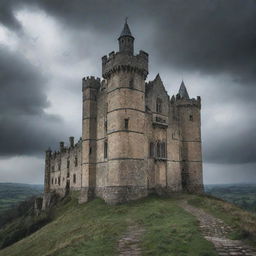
(153, 226)
(242, 195)
(13, 193)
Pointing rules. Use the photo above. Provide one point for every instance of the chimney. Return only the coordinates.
(71, 141)
(61, 146)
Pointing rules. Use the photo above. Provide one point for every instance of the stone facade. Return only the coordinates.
(135, 139)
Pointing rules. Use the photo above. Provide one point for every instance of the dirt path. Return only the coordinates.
(215, 231)
(129, 242)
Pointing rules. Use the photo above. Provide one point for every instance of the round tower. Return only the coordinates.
(189, 113)
(125, 75)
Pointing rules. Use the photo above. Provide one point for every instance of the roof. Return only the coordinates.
(126, 30)
(183, 91)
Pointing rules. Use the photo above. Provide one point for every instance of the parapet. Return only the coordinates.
(91, 82)
(65, 149)
(178, 101)
(115, 62)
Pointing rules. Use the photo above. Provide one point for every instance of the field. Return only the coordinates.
(242, 195)
(13, 193)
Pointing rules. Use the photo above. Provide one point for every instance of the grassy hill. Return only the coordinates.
(95, 228)
(13, 193)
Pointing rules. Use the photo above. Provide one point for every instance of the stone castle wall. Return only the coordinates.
(135, 139)
(65, 168)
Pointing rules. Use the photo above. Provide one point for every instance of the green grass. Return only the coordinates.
(94, 229)
(242, 222)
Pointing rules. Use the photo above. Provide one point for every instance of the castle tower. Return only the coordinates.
(126, 40)
(47, 171)
(190, 131)
(89, 134)
(125, 75)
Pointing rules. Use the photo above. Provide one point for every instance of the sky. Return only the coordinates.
(47, 46)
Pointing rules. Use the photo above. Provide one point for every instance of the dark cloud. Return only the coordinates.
(208, 36)
(233, 145)
(25, 127)
(213, 37)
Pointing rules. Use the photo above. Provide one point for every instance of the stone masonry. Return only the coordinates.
(135, 139)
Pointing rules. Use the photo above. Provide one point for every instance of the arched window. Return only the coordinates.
(158, 105)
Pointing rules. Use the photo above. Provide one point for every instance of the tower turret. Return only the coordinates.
(183, 93)
(126, 40)
(190, 130)
(47, 170)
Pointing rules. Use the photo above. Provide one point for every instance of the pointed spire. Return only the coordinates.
(158, 78)
(183, 91)
(126, 30)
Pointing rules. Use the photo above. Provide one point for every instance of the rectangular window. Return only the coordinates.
(52, 180)
(90, 150)
(105, 149)
(106, 125)
(163, 150)
(191, 117)
(68, 174)
(68, 163)
(126, 123)
(151, 149)
(76, 162)
(74, 178)
(158, 149)
(159, 105)
(59, 181)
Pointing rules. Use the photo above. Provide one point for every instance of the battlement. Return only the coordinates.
(65, 149)
(115, 62)
(178, 101)
(91, 82)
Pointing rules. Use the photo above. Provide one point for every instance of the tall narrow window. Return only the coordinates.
(105, 149)
(158, 149)
(76, 161)
(59, 181)
(59, 166)
(190, 117)
(74, 178)
(52, 180)
(131, 83)
(163, 150)
(158, 105)
(126, 123)
(90, 150)
(68, 163)
(106, 125)
(151, 149)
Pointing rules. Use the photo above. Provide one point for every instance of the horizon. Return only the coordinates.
(209, 45)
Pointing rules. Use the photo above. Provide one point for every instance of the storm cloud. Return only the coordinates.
(25, 127)
(211, 44)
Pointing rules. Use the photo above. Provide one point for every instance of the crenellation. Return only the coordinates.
(136, 139)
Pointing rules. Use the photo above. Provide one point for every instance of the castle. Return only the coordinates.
(136, 140)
